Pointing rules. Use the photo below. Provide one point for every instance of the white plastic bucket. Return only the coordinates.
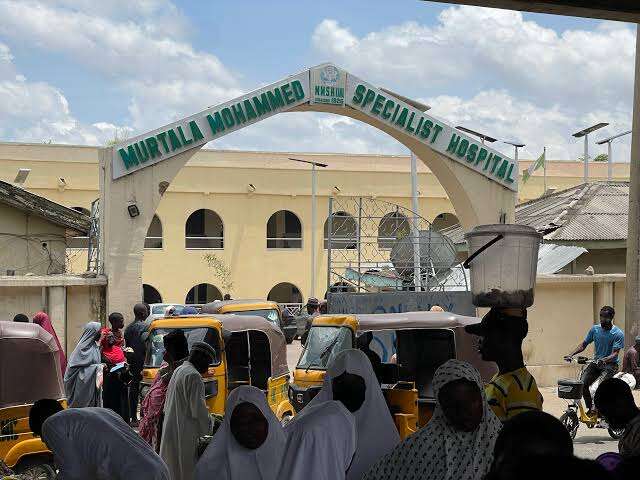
(503, 260)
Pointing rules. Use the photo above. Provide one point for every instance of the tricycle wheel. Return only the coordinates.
(570, 421)
(36, 469)
(616, 434)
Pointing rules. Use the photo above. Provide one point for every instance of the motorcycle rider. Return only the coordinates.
(608, 340)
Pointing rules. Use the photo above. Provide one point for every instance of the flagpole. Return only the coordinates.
(544, 166)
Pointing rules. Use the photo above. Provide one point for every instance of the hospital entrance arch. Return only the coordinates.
(480, 182)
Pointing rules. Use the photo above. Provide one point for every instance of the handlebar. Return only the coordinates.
(579, 360)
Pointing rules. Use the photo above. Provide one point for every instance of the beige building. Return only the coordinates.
(251, 210)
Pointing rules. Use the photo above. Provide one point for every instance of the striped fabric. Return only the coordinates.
(513, 393)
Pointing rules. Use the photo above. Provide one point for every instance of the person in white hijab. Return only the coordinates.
(84, 369)
(94, 443)
(248, 444)
(350, 379)
(320, 444)
(458, 441)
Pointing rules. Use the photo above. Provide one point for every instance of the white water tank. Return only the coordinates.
(503, 260)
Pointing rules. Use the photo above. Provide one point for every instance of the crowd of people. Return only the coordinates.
(495, 431)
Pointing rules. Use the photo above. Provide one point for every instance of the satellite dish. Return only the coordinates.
(437, 256)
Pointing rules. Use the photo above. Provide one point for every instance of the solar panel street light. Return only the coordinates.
(610, 151)
(516, 146)
(481, 136)
(585, 133)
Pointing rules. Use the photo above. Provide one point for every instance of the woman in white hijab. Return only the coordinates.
(84, 370)
(458, 441)
(248, 445)
(320, 444)
(351, 380)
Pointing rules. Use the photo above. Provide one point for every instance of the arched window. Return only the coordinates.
(204, 230)
(79, 241)
(203, 293)
(285, 293)
(284, 230)
(154, 234)
(150, 294)
(444, 220)
(392, 227)
(344, 231)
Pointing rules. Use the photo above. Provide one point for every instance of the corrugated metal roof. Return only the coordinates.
(553, 258)
(596, 211)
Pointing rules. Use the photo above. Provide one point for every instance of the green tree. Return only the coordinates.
(603, 157)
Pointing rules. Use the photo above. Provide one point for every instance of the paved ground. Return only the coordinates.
(589, 443)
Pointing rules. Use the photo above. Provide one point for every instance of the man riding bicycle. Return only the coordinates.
(608, 341)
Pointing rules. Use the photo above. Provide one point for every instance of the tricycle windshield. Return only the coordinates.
(323, 344)
(155, 349)
(270, 314)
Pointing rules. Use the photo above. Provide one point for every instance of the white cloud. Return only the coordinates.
(157, 71)
(515, 78)
(37, 112)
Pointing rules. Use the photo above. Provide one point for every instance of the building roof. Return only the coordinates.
(589, 212)
(53, 212)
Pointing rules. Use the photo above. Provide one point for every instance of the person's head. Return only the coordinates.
(226, 297)
(606, 317)
(350, 389)
(176, 347)
(41, 318)
(462, 404)
(528, 434)
(248, 425)
(458, 390)
(21, 317)
(501, 332)
(364, 340)
(556, 466)
(323, 307)
(313, 306)
(615, 402)
(637, 344)
(40, 411)
(140, 311)
(116, 320)
(436, 308)
(148, 308)
(201, 356)
(170, 311)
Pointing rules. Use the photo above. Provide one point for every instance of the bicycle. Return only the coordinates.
(571, 390)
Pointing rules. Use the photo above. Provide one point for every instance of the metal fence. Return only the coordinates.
(376, 246)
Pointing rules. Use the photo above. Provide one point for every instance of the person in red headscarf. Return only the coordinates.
(43, 320)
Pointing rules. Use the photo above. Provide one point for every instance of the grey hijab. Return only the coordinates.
(82, 369)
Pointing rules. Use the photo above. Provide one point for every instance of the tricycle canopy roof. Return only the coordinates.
(28, 351)
(396, 321)
(231, 305)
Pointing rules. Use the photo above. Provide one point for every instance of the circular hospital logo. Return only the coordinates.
(329, 75)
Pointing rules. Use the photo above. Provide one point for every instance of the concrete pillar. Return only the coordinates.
(57, 300)
(632, 302)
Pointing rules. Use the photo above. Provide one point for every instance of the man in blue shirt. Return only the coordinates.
(608, 340)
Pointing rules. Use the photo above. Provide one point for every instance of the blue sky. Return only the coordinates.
(74, 71)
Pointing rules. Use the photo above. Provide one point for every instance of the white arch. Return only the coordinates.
(480, 182)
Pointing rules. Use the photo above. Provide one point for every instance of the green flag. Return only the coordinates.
(534, 166)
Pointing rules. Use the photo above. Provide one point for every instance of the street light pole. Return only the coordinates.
(585, 133)
(314, 214)
(609, 141)
(415, 227)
